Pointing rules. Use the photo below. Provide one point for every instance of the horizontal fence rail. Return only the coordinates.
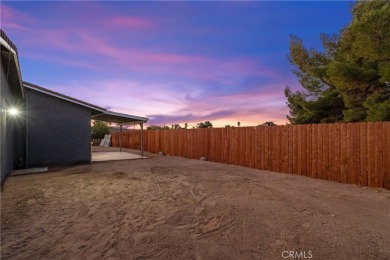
(355, 153)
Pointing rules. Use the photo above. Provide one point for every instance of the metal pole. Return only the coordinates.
(26, 124)
(120, 137)
(142, 139)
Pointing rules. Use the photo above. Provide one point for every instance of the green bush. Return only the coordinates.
(99, 129)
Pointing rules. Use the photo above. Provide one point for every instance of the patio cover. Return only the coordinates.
(118, 118)
(123, 119)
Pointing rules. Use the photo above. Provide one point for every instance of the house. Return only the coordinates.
(51, 128)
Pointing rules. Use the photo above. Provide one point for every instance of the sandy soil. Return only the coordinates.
(174, 208)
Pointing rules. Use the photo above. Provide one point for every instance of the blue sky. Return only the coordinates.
(174, 62)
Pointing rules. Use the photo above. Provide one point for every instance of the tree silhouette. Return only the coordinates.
(268, 123)
(206, 124)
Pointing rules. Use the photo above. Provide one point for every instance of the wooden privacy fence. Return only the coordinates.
(356, 153)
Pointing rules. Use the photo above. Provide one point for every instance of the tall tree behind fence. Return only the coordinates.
(356, 153)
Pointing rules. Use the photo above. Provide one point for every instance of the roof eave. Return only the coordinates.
(119, 118)
(63, 97)
(15, 58)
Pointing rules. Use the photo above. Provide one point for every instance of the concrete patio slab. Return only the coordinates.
(114, 156)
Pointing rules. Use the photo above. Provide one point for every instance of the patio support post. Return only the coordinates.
(142, 139)
(120, 138)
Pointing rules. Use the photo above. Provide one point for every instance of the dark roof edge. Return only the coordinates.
(12, 48)
(135, 118)
(8, 40)
(61, 96)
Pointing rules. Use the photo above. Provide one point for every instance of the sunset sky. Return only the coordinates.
(174, 62)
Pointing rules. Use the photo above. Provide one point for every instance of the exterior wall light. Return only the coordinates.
(13, 111)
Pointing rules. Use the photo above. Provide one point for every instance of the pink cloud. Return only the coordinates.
(249, 107)
(130, 22)
(13, 19)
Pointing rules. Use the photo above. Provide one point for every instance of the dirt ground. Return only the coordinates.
(174, 208)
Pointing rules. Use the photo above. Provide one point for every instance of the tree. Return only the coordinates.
(99, 129)
(185, 125)
(157, 127)
(349, 80)
(268, 123)
(361, 66)
(319, 102)
(238, 123)
(206, 124)
(176, 126)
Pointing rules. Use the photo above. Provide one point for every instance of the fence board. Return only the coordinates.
(356, 152)
(208, 143)
(184, 138)
(386, 155)
(218, 144)
(272, 147)
(308, 150)
(267, 148)
(331, 152)
(172, 143)
(320, 165)
(378, 154)
(337, 153)
(162, 141)
(157, 141)
(250, 138)
(289, 143)
(225, 139)
(278, 146)
(242, 146)
(371, 154)
(236, 146)
(221, 144)
(232, 145)
(258, 145)
(200, 146)
(325, 152)
(262, 147)
(363, 154)
(304, 153)
(212, 152)
(189, 143)
(199, 137)
(350, 169)
(167, 142)
(295, 150)
(314, 153)
(344, 152)
(299, 150)
(285, 143)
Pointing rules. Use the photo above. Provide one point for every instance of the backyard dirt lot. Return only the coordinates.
(173, 208)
